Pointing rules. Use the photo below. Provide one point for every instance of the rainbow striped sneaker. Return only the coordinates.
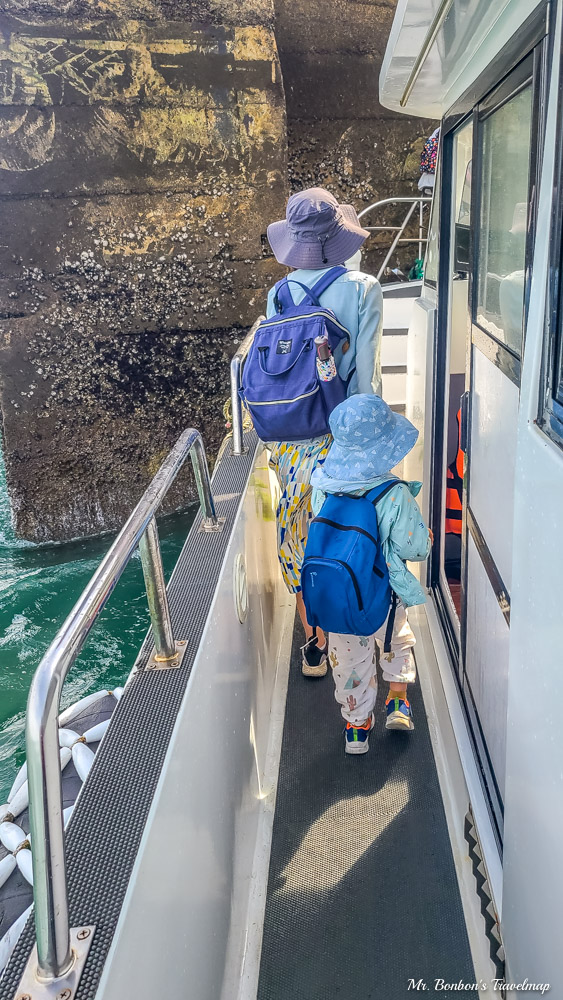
(356, 739)
(399, 714)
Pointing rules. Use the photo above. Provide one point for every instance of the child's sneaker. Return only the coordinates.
(399, 714)
(356, 738)
(314, 659)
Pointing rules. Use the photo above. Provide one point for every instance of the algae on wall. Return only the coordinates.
(142, 153)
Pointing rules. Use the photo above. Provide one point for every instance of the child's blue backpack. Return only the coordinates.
(281, 387)
(344, 577)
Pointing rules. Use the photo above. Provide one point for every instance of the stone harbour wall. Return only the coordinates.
(339, 135)
(142, 151)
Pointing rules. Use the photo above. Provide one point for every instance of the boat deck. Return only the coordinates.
(362, 892)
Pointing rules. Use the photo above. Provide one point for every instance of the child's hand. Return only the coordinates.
(431, 533)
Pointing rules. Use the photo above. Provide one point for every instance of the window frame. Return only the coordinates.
(550, 409)
(435, 216)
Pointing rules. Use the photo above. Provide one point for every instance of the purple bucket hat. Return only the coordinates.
(317, 232)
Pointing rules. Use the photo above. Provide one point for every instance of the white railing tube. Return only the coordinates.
(399, 230)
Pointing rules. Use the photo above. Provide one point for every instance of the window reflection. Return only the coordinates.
(503, 220)
(432, 249)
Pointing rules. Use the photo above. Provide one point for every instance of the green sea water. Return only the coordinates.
(39, 584)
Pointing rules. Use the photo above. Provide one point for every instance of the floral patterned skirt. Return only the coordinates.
(293, 463)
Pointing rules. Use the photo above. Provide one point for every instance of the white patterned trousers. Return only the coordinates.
(353, 662)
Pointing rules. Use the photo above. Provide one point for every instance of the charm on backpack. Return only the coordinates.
(287, 399)
(344, 577)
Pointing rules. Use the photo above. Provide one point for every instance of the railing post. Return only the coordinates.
(155, 584)
(396, 240)
(203, 483)
(236, 406)
(420, 211)
(54, 956)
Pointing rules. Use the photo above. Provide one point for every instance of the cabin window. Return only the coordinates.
(503, 220)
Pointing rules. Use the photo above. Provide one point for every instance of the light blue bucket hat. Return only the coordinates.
(369, 440)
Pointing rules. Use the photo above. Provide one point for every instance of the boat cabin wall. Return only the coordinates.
(502, 627)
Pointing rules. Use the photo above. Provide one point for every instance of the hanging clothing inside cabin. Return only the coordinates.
(454, 488)
(428, 162)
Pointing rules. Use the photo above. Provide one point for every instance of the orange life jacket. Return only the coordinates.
(454, 488)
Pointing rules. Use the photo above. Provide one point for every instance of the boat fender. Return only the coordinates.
(7, 866)
(68, 737)
(24, 863)
(12, 836)
(73, 710)
(20, 800)
(19, 780)
(82, 758)
(95, 733)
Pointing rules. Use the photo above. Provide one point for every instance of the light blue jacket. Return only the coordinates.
(402, 531)
(357, 302)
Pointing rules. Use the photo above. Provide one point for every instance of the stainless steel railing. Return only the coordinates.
(55, 956)
(236, 371)
(399, 230)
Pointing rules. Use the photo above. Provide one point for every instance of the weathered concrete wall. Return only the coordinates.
(142, 152)
(339, 135)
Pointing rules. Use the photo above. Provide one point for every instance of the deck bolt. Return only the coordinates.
(82, 934)
(23, 996)
(64, 995)
(181, 642)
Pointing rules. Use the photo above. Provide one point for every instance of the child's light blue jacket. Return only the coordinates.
(403, 533)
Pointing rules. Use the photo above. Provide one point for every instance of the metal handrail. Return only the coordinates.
(55, 957)
(431, 36)
(413, 202)
(236, 371)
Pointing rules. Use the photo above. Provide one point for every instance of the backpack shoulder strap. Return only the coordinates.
(327, 279)
(378, 492)
(283, 298)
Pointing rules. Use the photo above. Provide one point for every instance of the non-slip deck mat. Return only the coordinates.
(106, 827)
(362, 892)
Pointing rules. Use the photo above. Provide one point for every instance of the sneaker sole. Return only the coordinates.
(398, 721)
(356, 748)
(320, 671)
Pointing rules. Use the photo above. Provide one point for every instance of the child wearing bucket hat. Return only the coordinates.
(369, 440)
(318, 234)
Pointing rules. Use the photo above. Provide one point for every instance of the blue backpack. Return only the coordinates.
(344, 577)
(281, 387)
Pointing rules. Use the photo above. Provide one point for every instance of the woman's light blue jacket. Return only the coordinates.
(402, 531)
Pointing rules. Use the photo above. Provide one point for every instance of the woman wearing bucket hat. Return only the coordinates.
(317, 234)
(369, 440)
